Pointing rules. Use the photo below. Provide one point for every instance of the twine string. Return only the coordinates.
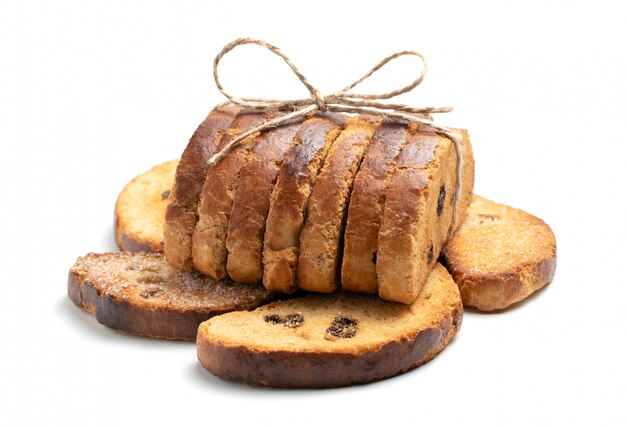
(343, 101)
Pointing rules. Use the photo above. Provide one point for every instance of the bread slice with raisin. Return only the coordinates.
(319, 341)
(418, 214)
(321, 240)
(288, 203)
(500, 255)
(140, 294)
(208, 249)
(182, 212)
(246, 227)
(140, 209)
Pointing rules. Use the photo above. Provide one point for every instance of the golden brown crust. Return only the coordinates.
(321, 240)
(358, 271)
(417, 217)
(246, 227)
(208, 250)
(500, 255)
(289, 200)
(181, 214)
(140, 209)
(291, 357)
(138, 293)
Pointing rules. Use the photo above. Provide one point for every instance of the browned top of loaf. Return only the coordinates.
(378, 322)
(496, 240)
(321, 238)
(145, 279)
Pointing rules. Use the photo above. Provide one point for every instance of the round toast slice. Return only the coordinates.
(321, 341)
(140, 294)
(500, 255)
(140, 209)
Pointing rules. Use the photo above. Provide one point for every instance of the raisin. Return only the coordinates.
(273, 319)
(293, 320)
(442, 199)
(165, 195)
(342, 327)
(147, 294)
(374, 258)
(431, 256)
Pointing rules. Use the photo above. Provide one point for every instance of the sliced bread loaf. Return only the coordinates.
(208, 250)
(182, 212)
(246, 227)
(140, 209)
(333, 340)
(139, 293)
(321, 240)
(418, 213)
(500, 255)
(289, 199)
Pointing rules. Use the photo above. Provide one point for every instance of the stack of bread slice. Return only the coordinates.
(355, 208)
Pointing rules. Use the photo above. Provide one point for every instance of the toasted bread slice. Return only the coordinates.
(140, 294)
(358, 272)
(140, 209)
(332, 340)
(417, 218)
(321, 240)
(208, 250)
(246, 227)
(500, 255)
(289, 199)
(182, 212)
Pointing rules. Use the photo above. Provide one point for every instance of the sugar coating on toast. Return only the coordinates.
(145, 279)
(500, 255)
(140, 209)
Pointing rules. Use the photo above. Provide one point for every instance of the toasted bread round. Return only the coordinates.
(140, 294)
(140, 209)
(320, 341)
(500, 255)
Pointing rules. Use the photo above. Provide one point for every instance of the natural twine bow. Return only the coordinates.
(342, 101)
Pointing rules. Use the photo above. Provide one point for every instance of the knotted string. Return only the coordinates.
(343, 101)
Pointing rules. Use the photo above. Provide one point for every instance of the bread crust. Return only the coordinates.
(289, 200)
(321, 240)
(417, 217)
(500, 255)
(140, 209)
(100, 284)
(358, 272)
(246, 227)
(181, 214)
(208, 250)
(315, 368)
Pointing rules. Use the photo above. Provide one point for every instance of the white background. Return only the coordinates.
(94, 93)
